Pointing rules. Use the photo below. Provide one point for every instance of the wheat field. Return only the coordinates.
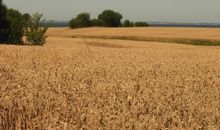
(172, 32)
(97, 84)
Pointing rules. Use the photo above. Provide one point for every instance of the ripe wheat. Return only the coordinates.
(109, 84)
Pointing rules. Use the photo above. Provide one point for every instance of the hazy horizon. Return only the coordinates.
(188, 11)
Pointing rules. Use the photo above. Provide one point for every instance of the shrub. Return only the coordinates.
(35, 32)
(4, 23)
(82, 20)
(96, 22)
(128, 23)
(141, 24)
(110, 18)
(16, 26)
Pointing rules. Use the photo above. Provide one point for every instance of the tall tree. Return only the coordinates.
(16, 26)
(110, 18)
(82, 20)
(26, 20)
(4, 23)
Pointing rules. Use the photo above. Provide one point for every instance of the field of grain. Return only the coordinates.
(96, 84)
(195, 33)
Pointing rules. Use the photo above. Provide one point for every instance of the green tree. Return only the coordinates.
(96, 23)
(4, 23)
(16, 26)
(141, 24)
(128, 23)
(73, 23)
(82, 20)
(35, 32)
(110, 18)
(26, 19)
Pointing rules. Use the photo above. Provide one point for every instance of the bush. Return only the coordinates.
(16, 26)
(110, 18)
(128, 23)
(82, 20)
(96, 23)
(35, 33)
(4, 23)
(141, 24)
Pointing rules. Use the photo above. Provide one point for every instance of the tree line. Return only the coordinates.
(108, 18)
(14, 26)
(24, 29)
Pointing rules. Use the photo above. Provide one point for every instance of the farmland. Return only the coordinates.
(79, 80)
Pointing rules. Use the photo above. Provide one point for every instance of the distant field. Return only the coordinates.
(92, 83)
(164, 32)
(192, 36)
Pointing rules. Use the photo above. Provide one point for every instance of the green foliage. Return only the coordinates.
(107, 18)
(72, 23)
(128, 23)
(96, 23)
(82, 20)
(110, 18)
(141, 24)
(26, 19)
(13, 25)
(35, 33)
(16, 26)
(4, 23)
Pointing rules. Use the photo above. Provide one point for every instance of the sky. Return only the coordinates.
(190, 11)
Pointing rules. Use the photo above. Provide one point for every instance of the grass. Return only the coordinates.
(202, 42)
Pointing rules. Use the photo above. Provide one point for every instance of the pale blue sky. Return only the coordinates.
(136, 10)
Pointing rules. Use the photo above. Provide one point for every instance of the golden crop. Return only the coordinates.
(194, 33)
(73, 83)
